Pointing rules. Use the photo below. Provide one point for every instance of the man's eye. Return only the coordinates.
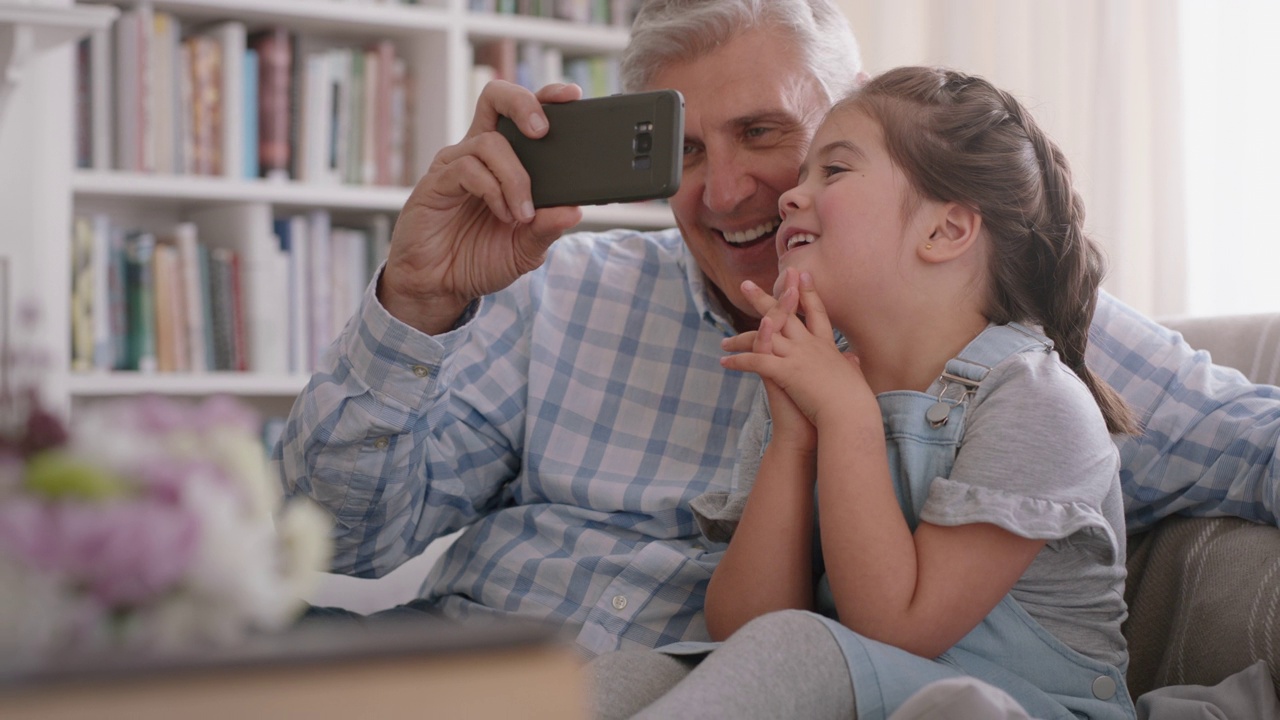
(689, 149)
(757, 132)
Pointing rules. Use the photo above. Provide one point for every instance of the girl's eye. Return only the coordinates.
(830, 170)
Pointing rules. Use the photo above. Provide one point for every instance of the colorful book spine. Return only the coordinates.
(249, 146)
(139, 284)
(275, 96)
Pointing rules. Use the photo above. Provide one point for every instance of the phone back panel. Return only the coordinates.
(596, 151)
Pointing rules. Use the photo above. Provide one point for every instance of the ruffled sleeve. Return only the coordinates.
(1062, 486)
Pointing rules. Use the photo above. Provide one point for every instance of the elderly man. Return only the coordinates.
(560, 399)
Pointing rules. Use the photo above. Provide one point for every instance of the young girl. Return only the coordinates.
(958, 454)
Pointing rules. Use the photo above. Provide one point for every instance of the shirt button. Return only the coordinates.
(1104, 688)
(619, 602)
(381, 443)
(421, 370)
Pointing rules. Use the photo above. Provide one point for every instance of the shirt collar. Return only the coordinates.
(707, 305)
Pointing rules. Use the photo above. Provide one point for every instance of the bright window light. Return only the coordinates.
(1231, 66)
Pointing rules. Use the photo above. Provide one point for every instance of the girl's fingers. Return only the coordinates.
(764, 338)
(815, 313)
(742, 342)
(762, 365)
(762, 301)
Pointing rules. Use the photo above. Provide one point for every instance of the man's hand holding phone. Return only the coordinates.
(619, 148)
(469, 228)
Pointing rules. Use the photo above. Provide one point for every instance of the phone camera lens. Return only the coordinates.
(643, 142)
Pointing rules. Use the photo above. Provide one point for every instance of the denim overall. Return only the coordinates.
(1008, 648)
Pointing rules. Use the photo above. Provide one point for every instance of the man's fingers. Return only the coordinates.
(559, 92)
(500, 97)
(487, 167)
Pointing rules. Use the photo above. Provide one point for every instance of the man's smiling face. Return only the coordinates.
(750, 111)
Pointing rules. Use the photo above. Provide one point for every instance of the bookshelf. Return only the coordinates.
(50, 182)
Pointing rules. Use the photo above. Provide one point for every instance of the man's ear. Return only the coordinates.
(954, 231)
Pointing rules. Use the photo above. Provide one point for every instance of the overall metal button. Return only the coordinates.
(1104, 688)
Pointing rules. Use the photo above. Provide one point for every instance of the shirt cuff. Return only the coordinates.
(391, 358)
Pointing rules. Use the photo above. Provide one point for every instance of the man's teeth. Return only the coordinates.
(800, 239)
(746, 236)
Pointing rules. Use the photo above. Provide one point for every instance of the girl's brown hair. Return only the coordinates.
(958, 138)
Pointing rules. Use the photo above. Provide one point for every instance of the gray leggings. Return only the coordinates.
(781, 665)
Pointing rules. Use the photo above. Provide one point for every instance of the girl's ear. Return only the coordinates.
(954, 231)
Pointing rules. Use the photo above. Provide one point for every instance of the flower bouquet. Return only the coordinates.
(148, 525)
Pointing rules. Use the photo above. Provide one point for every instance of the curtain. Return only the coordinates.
(1101, 77)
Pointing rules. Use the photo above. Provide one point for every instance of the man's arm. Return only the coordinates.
(399, 435)
(1211, 438)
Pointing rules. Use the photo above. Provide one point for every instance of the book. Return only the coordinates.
(249, 90)
(82, 294)
(274, 47)
(414, 669)
(163, 136)
(139, 292)
(186, 238)
(207, 106)
(221, 309)
(232, 39)
(318, 165)
(117, 300)
(99, 100)
(293, 235)
(132, 32)
(319, 284)
(102, 313)
(257, 314)
(84, 104)
(165, 269)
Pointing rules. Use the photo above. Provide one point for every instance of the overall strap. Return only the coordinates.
(965, 372)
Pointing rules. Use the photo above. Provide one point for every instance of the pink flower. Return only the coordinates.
(124, 552)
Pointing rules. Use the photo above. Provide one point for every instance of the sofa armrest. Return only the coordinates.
(1248, 343)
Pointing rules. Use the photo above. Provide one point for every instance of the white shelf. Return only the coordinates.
(206, 190)
(192, 190)
(314, 15)
(107, 384)
(569, 36)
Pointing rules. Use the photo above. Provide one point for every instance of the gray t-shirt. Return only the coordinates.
(1036, 460)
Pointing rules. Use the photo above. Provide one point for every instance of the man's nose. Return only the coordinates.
(728, 181)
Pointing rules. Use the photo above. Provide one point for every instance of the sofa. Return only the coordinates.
(1203, 594)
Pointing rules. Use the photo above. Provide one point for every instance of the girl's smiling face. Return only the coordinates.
(854, 222)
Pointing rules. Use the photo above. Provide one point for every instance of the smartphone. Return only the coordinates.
(619, 148)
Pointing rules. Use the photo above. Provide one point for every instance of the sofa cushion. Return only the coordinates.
(1203, 596)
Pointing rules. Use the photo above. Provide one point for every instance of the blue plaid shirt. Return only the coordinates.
(567, 422)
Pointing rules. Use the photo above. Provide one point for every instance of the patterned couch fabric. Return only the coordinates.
(1204, 594)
